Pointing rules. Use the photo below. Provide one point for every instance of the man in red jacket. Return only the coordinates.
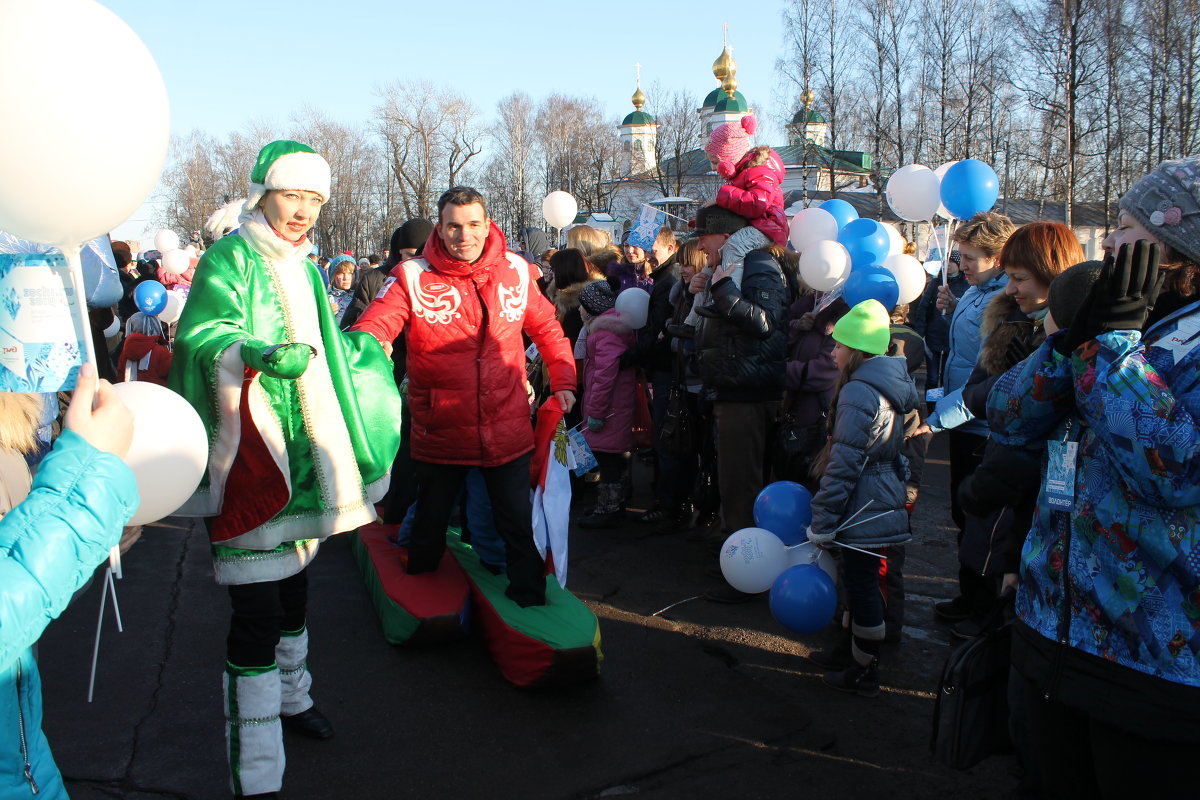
(462, 307)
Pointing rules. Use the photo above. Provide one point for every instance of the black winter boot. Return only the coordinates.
(838, 655)
(859, 679)
(607, 513)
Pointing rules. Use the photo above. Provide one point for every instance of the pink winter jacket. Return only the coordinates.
(608, 389)
(755, 191)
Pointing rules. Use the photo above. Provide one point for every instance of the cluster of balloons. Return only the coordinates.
(955, 190)
(63, 189)
(174, 261)
(151, 297)
(866, 257)
(776, 555)
(863, 256)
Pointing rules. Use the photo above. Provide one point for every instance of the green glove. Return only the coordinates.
(286, 361)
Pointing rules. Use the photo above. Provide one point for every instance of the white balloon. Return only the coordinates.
(61, 64)
(175, 262)
(634, 305)
(805, 553)
(166, 240)
(914, 192)
(170, 314)
(940, 172)
(909, 274)
(809, 226)
(895, 238)
(169, 452)
(824, 265)
(559, 208)
(752, 559)
(191, 250)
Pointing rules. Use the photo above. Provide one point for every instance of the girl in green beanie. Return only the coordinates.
(862, 474)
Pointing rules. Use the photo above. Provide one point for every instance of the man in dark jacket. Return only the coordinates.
(742, 356)
(652, 353)
(406, 242)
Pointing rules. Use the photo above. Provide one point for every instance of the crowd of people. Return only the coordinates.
(1068, 391)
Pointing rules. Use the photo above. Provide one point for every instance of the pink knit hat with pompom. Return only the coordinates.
(729, 143)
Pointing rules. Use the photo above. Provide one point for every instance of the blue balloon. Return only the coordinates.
(150, 297)
(872, 283)
(785, 509)
(969, 187)
(867, 242)
(842, 211)
(803, 599)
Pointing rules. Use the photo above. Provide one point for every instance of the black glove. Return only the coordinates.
(1124, 293)
(1019, 348)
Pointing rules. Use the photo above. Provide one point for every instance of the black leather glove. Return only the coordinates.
(1124, 293)
(1019, 348)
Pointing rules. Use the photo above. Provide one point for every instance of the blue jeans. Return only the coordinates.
(483, 535)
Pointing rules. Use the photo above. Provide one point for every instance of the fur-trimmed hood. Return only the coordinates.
(1002, 322)
(566, 299)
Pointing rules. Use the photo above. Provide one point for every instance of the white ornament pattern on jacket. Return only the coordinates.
(438, 302)
(512, 299)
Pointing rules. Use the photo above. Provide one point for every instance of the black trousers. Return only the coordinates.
(260, 612)
(508, 490)
(1081, 757)
(966, 452)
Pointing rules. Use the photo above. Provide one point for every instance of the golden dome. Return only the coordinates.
(724, 66)
(729, 84)
(639, 99)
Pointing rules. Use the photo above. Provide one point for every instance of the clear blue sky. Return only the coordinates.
(226, 63)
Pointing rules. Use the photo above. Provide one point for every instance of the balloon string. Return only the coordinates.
(860, 550)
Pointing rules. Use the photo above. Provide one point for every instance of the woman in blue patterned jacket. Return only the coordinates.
(1108, 629)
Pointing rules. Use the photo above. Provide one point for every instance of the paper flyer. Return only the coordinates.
(41, 334)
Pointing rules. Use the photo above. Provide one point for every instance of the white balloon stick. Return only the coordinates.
(71, 252)
(860, 550)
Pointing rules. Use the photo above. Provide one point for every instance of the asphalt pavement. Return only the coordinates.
(700, 701)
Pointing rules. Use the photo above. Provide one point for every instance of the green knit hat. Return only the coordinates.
(866, 327)
(285, 164)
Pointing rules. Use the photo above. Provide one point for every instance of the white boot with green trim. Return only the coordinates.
(291, 654)
(299, 715)
(253, 732)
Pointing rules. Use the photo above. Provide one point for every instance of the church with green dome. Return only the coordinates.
(681, 184)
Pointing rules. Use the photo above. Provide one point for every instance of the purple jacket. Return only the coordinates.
(811, 374)
(608, 390)
(626, 276)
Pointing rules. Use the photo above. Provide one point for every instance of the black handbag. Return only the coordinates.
(795, 447)
(679, 431)
(970, 714)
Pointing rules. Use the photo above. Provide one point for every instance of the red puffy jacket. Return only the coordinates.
(755, 191)
(467, 386)
(139, 345)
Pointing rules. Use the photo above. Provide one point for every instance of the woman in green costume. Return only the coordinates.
(303, 423)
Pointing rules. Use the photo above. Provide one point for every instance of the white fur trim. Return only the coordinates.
(253, 196)
(306, 171)
(227, 377)
(254, 738)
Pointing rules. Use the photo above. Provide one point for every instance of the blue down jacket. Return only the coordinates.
(49, 546)
(1117, 578)
(866, 462)
(966, 339)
